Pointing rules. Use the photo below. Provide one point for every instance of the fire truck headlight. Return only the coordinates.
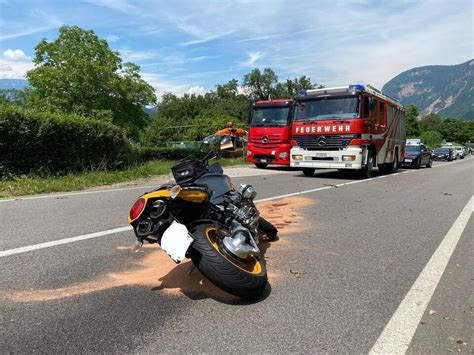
(283, 155)
(249, 153)
(297, 157)
(348, 157)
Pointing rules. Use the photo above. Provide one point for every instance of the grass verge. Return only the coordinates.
(29, 185)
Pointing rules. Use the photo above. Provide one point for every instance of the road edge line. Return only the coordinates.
(53, 243)
(399, 331)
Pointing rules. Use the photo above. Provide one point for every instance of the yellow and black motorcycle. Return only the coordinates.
(206, 218)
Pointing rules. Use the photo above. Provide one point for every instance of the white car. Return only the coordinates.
(459, 152)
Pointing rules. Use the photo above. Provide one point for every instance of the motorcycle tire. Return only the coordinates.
(242, 279)
(267, 228)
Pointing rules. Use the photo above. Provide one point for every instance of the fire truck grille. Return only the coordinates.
(266, 141)
(325, 142)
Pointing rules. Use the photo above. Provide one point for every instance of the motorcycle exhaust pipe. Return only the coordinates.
(144, 227)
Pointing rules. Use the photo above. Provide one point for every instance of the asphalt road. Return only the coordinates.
(348, 255)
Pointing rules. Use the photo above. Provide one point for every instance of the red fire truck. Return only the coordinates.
(269, 133)
(351, 127)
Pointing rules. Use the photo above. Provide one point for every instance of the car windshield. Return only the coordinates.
(338, 107)
(269, 116)
(442, 150)
(412, 148)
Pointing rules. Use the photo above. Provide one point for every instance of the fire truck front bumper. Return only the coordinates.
(277, 156)
(347, 158)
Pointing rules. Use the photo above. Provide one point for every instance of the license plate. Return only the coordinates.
(263, 160)
(321, 155)
(176, 241)
(408, 160)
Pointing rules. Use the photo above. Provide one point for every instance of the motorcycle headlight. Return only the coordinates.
(247, 191)
(226, 139)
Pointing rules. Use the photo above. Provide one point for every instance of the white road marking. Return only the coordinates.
(249, 172)
(398, 333)
(122, 229)
(62, 241)
(294, 194)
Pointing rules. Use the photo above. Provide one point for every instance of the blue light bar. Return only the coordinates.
(357, 87)
(302, 93)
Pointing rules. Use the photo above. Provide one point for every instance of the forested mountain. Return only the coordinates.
(447, 90)
(13, 84)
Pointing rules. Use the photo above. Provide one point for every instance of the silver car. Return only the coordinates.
(459, 152)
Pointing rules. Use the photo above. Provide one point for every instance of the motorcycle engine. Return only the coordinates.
(242, 206)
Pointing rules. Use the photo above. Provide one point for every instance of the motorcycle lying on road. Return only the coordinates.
(206, 218)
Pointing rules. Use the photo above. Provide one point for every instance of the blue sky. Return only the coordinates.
(190, 46)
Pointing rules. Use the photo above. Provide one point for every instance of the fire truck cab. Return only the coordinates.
(351, 127)
(269, 133)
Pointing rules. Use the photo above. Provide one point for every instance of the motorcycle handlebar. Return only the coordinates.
(208, 156)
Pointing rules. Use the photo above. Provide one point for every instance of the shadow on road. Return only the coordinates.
(188, 280)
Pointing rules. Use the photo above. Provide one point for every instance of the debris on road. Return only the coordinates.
(296, 274)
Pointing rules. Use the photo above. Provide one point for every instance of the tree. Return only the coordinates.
(79, 73)
(430, 122)
(412, 125)
(291, 88)
(14, 97)
(432, 139)
(454, 130)
(261, 84)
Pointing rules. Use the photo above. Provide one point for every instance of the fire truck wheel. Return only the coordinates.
(366, 171)
(308, 171)
(261, 165)
(394, 165)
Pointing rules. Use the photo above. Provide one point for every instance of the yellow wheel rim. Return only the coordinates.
(253, 265)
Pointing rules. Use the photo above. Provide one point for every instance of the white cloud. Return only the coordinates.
(196, 90)
(112, 38)
(11, 69)
(253, 57)
(16, 54)
(14, 64)
(137, 56)
(205, 39)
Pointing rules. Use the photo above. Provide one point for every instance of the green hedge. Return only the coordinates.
(58, 143)
(150, 153)
(53, 143)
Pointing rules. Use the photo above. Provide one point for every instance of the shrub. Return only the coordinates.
(151, 153)
(33, 141)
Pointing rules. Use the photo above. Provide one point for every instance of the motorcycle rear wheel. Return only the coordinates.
(242, 279)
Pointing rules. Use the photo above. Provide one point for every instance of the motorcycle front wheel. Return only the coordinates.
(242, 279)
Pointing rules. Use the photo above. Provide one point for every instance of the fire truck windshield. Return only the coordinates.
(269, 116)
(323, 108)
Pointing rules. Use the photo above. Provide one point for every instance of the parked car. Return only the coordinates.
(416, 156)
(460, 152)
(444, 153)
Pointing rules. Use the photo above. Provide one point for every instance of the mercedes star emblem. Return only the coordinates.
(264, 139)
(322, 141)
